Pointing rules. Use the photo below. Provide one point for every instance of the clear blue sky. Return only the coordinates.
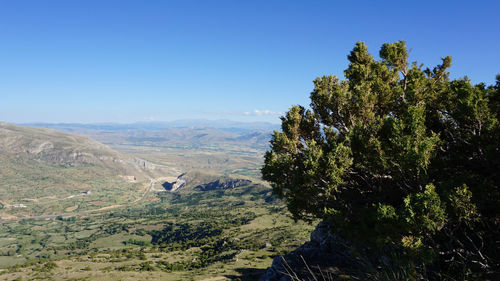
(126, 61)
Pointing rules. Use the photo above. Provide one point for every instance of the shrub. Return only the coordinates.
(397, 157)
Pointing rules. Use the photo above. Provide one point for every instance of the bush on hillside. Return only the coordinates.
(398, 158)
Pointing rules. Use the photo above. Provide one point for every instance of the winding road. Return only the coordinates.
(148, 189)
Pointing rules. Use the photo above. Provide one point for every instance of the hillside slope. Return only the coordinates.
(41, 168)
(52, 147)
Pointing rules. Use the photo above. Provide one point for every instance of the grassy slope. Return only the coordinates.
(40, 168)
(45, 188)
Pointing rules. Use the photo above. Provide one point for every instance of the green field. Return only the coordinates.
(47, 189)
(170, 236)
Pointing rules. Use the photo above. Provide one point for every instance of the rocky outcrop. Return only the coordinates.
(324, 251)
(179, 183)
(201, 182)
(145, 165)
(221, 184)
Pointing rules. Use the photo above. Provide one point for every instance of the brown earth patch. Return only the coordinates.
(97, 203)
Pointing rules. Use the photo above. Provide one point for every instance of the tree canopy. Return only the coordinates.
(397, 155)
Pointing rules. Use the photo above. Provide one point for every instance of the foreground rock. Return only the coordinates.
(323, 255)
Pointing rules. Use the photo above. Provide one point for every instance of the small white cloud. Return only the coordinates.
(150, 118)
(257, 112)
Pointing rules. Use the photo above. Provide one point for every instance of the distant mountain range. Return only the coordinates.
(181, 132)
(159, 125)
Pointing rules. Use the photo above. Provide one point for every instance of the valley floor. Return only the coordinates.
(211, 235)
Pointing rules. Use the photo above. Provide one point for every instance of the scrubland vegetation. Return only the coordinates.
(177, 236)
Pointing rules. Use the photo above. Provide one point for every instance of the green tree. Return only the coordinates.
(397, 156)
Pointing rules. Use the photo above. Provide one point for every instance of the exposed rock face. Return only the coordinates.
(222, 184)
(145, 165)
(325, 251)
(188, 180)
(179, 183)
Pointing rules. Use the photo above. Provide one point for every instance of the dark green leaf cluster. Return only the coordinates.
(185, 235)
(397, 155)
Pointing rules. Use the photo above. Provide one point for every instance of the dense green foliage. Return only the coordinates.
(397, 158)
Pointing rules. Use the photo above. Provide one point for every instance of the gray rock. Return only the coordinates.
(179, 183)
(223, 184)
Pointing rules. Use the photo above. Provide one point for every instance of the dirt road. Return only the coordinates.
(147, 191)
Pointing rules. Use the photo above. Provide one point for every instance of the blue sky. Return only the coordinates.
(127, 61)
